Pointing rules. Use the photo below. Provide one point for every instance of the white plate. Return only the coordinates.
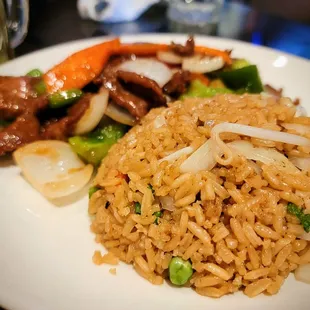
(46, 251)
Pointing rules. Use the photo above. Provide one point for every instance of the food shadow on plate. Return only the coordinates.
(6, 161)
(74, 197)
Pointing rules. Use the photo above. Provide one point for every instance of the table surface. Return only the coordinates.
(57, 21)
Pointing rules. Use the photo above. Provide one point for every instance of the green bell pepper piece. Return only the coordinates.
(64, 98)
(199, 90)
(95, 146)
(246, 79)
(35, 73)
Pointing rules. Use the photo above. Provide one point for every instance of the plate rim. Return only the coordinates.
(175, 36)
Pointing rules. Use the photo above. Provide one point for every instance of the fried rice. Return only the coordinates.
(230, 221)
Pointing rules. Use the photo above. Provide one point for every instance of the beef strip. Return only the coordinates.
(184, 50)
(18, 96)
(143, 86)
(24, 130)
(136, 106)
(178, 84)
(63, 128)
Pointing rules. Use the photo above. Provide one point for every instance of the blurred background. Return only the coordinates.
(280, 24)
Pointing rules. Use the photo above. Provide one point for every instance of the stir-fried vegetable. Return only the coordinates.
(199, 90)
(53, 168)
(81, 68)
(35, 73)
(299, 213)
(95, 146)
(40, 88)
(243, 80)
(92, 190)
(94, 113)
(63, 98)
(150, 68)
(151, 188)
(251, 131)
(148, 49)
(180, 271)
(206, 64)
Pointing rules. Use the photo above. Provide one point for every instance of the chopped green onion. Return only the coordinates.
(137, 208)
(151, 188)
(158, 214)
(299, 213)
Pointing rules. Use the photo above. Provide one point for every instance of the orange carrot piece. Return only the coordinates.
(201, 77)
(147, 49)
(214, 52)
(79, 69)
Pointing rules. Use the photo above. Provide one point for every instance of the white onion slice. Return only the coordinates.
(169, 57)
(259, 133)
(254, 132)
(150, 68)
(301, 163)
(201, 159)
(53, 168)
(299, 128)
(202, 64)
(264, 155)
(167, 203)
(159, 121)
(302, 273)
(93, 114)
(119, 114)
(176, 155)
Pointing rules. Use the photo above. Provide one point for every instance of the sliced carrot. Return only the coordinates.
(79, 69)
(140, 49)
(147, 49)
(214, 52)
(201, 77)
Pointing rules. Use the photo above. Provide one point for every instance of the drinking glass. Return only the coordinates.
(194, 16)
(14, 17)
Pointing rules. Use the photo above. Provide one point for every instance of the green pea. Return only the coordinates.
(137, 208)
(180, 271)
(63, 98)
(92, 190)
(35, 73)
